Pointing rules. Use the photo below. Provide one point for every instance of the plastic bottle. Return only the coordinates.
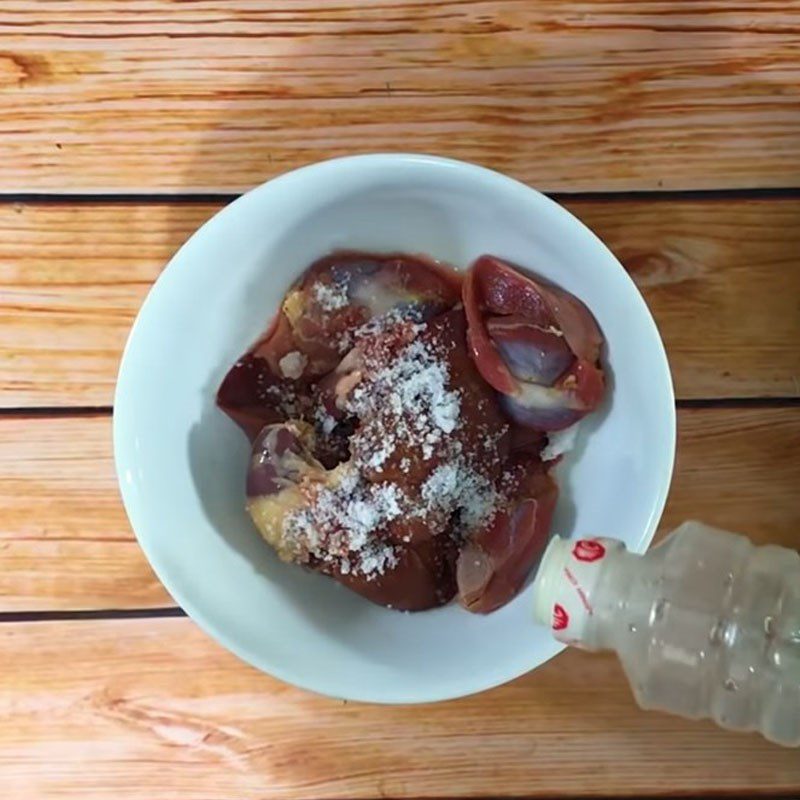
(705, 624)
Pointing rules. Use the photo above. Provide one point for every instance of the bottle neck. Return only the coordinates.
(566, 588)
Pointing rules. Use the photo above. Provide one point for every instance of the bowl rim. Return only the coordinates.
(181, 594)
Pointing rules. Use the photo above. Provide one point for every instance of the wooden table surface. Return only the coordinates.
(672, 127)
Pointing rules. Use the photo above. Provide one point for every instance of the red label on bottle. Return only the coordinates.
(588, 550)
(560, 617)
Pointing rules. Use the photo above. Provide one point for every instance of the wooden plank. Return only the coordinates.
(65, 542)
(738, 469)
(137, 709)
(220, 94)
(72, 279)
(721, 276)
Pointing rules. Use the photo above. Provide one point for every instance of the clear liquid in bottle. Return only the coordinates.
(705, 624)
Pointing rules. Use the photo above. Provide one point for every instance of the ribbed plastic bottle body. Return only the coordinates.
(706, 625)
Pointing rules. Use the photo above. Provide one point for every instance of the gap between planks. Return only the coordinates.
(47, 412)
(199, 198)
(7, 617)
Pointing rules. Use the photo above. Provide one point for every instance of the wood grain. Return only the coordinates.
(722, 277)
(72, 279)
(65, 542)
(139, 709)
(221, 94)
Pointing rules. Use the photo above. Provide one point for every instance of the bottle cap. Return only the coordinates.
(564, 584)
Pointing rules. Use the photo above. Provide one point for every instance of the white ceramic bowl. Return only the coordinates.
(181, 462)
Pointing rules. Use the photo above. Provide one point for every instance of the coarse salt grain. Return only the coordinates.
(331, 296)
(340, 525)
(282, 397)
(411, 399)
(325, 422)
(455, 486)
(383, 322)
(377, 458)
